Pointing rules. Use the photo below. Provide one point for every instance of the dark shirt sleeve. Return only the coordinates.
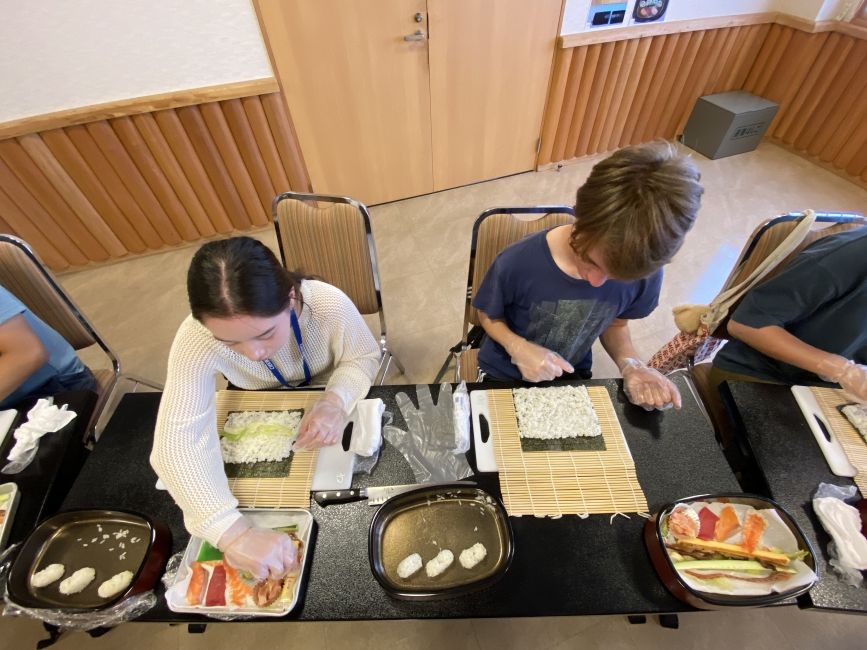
(646, 299)
(495, 292)
(791, 296)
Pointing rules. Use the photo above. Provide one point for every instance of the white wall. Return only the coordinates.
(60, 54)
(575, 14)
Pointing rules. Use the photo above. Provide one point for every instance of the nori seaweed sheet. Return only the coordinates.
(272, 469)
(578, 443)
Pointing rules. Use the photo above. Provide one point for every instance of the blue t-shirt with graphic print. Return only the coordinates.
(538, 301)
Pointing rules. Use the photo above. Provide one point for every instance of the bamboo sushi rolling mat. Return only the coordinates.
(293, 491)
(851, 441)
(554, 483)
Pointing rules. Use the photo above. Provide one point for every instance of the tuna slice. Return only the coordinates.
(216, 596)
(707, 520)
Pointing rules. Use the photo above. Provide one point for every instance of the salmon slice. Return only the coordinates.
(754, 528)
(726, 526)
(198, 581)
(238, 589)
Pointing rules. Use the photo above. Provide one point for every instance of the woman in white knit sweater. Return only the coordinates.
(261, 327)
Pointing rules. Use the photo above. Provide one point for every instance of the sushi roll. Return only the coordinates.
(77, 581)
(440, 563)
(48, 575)
(115, 584)
(409, 565)
(471, 556)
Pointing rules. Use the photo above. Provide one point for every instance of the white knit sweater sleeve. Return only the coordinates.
(186, 453)
(354, 351)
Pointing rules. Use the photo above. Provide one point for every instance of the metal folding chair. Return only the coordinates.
(23, 274)
(494, 230)
(335, 243)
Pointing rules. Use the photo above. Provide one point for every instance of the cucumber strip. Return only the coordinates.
(721, 565)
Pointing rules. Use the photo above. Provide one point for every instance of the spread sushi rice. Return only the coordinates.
(259, 436)
(857, 415)
(555, 412)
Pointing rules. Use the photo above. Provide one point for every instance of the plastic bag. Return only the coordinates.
(126, 610)
(842, 522)
(462, 418)
(429, 444)
(366, 464)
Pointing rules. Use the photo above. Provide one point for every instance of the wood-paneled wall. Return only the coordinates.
(108, 188)
(607, 95)
(820, 82)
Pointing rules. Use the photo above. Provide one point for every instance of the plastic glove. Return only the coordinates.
(323, 424)
(429, 443)
(647, 387)
(535, 362)
(851, 376)
(264, 553)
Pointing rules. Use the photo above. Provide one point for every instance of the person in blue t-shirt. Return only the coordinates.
(35, 361)
(547, 298)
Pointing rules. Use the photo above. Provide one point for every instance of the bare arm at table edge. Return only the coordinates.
(644, 386)
(775, 342)
(21, 354)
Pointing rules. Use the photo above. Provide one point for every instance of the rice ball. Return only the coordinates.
(440, 563)
(48, 575)
(409, 565)
(471, 556)
(77, 581)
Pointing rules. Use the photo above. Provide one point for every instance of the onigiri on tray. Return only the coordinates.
(206, 584)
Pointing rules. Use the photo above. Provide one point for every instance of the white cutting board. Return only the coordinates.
(832, 450)
(485, 459)
(334, 467)
(6, 420)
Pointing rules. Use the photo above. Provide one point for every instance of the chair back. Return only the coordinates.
(766, 239)
(497, 228)
(24, 275)
(330, 237)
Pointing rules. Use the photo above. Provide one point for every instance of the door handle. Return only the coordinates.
(417, 36)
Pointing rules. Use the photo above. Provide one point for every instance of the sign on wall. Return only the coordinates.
(648, 11)
(606, 12)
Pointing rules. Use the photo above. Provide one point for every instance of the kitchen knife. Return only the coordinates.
(375, 495)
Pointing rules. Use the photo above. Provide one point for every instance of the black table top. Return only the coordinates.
(791, 466)
(44, 483)
(562, 566)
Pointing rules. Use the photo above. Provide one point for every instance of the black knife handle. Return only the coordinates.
(332, 497)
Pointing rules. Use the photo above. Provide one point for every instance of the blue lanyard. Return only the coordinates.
(296, 330)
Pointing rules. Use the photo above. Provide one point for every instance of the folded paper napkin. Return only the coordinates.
(843, 523)
(43, 418)
(367, 433)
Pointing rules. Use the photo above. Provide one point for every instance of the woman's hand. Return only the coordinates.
(323, 424)
(262, 552)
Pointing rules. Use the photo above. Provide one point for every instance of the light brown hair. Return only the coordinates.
(636, 207)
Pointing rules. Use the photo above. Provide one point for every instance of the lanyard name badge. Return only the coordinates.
(296, 330)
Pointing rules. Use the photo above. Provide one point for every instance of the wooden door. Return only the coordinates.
(490, 62)
(358, 93)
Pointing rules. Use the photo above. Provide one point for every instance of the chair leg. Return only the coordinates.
(383, 371)
(444, 368)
